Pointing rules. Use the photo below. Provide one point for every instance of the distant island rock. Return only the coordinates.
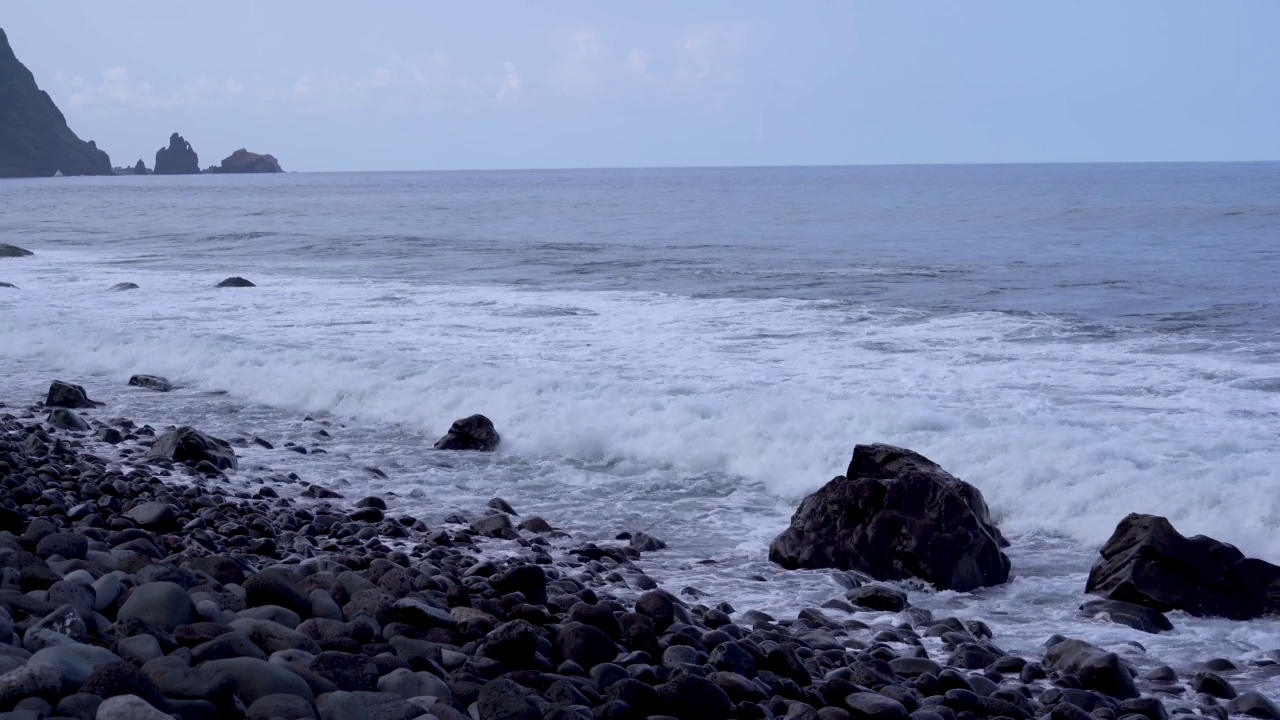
(177, 159)
(243, 161)
(140, 168)
(34, 138)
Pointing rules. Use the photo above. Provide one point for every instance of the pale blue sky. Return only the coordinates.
(416, 85)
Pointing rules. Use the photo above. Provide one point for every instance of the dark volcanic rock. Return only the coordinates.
(1147, 562)
(34, 138)
(151, 382)
(192, 446)
(11, 251)
(1095, 668)
(65, 395)
(1135, 616)
(896, 515)
(471, 433)
(243, 161)
(177, 159)
(235, 282)
(64, 419)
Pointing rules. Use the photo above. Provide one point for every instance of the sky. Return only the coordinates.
(388, 85)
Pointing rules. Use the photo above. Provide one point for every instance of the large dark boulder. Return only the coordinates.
(1095, 668)
(243, 161)
(177, 159)
(1147, 562)
(895, 515)
(188, 445)
(34, 138)
(66, 395)
(470, 433)
(10, 251)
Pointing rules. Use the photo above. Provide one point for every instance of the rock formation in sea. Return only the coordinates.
(34, 138)
(1149, 563)
(896, 515)
(470, 433)
(140, 168)
(177, 159)
(243, 161)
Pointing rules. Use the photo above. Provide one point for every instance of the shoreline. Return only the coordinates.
(461, 563)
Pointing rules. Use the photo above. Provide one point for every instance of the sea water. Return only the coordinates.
(690, 352)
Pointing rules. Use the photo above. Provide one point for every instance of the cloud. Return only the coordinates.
(695, 65)
(115, 89)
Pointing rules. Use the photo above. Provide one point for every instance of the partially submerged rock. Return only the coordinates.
(243, 161)
(235, 281)
(12, 251)
(1135, 616)
(188, 445)
(1149, 563)
(65, 395)
(151, 382)
(120, 287)
(177, 159)
(1096, 669)
(896, 515)
(470, 433)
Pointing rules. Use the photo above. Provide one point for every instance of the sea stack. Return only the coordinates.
(177, 159)
(34, 138)
(243, 161)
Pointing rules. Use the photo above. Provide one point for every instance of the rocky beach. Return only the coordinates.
(150, 572)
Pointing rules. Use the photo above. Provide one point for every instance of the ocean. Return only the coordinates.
(689, 352)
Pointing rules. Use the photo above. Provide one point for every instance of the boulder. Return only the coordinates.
(188, 445)
(256, 678)
(1135, 616)
(177, 159)
(65, 419)
(34, 138)
(243, 161)
(1096, 669)
(11, 251)
(65, 395)
(129, 707)
(1149, 563)
(163, 604)
(896, 515)
(235, 281)
(151, 382)
(123, 286)
(470, 433)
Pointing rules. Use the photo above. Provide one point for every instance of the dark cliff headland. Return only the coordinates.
(35, 140)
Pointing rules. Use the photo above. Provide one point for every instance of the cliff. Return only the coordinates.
(34, 138)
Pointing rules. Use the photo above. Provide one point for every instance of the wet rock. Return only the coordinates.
(64, 419)
(65, 395)
(645, 542)
(12, 251)
(1135, 616)
(693, 698)
(585, 645)
(34, 679)
(188, 445)
(283, 707)
(505, 700)
(120, 678)
(470, 433)
(123, 286)
(878, 597)
(896, 515)
(1148, 563)
(71, 546)
(151, 382)
(257, 678)
(129, 707)
(163, 604)
(272, 587)
(1252, 703)
(1095, 668)
(868, 705)
(235, 281)
(1211, 683)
